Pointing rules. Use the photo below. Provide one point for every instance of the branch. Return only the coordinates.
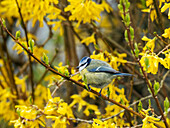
(159, 15)
(57, 87)
(29, 57)
(8, 67)
(22, 69)
(110, 117)
(160, 38)
(68, 78)
(130, 42)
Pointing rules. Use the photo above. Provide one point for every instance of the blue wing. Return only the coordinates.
(108, 70)
(103, 69)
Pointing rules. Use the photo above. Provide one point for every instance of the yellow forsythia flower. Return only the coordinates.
(97, 123)
(166, 33)
(57, 107)
(167, 59)
(106, 6)
(89, 40)
(166, 6)
(60, 122)
(149, 121)
(151, 9)
(153, 63)
(150, 43)
(114, 61)
(84, 11)
(77, 99)
(91, 107)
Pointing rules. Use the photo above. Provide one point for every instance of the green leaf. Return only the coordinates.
(166, 105)
(45, 59)
(17, 35)
(127, 5)
(31, 44)
(108, 92)
(91, 111)
(121, 101)
(140, 106)
(146, 60)
(121, 2)
(24, 46)
(149, 103)
(131, 33)
(96, 47)
(30, 99)
(136, 50)
(143, 2)
(18, 110)
(126, 36)
(120, 7)
(85, 81)
(127, 19)
(87, 88)
(3, 22)
(156, 87)
(151, 87)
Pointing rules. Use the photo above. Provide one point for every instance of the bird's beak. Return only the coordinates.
(78, 67)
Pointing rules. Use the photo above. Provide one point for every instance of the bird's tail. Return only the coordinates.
(123, 74)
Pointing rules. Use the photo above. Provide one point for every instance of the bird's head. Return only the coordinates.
(84, 62)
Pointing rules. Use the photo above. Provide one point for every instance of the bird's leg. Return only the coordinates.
(100, 93)
(89, 87)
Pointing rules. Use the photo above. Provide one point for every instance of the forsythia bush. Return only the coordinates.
(30, 98)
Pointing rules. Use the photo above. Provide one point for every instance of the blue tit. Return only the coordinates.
(98, 73)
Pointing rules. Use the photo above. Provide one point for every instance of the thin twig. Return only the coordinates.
(57, 87)
(8, 67)
(68, 78)
(163, 79)
(160, 38)
(81, 120)
(29, 57)
(163, 49)
(23, 68)
(155, 2)
(74, 74)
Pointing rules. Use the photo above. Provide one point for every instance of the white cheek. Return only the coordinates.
(82, 67)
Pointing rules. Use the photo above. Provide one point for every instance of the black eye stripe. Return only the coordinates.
(83, 64)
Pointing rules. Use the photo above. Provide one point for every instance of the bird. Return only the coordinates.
(97, 73)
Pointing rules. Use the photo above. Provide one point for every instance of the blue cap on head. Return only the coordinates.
(84, 59)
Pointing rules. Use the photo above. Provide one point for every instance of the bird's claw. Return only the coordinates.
(89, 87)
(100, 93)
